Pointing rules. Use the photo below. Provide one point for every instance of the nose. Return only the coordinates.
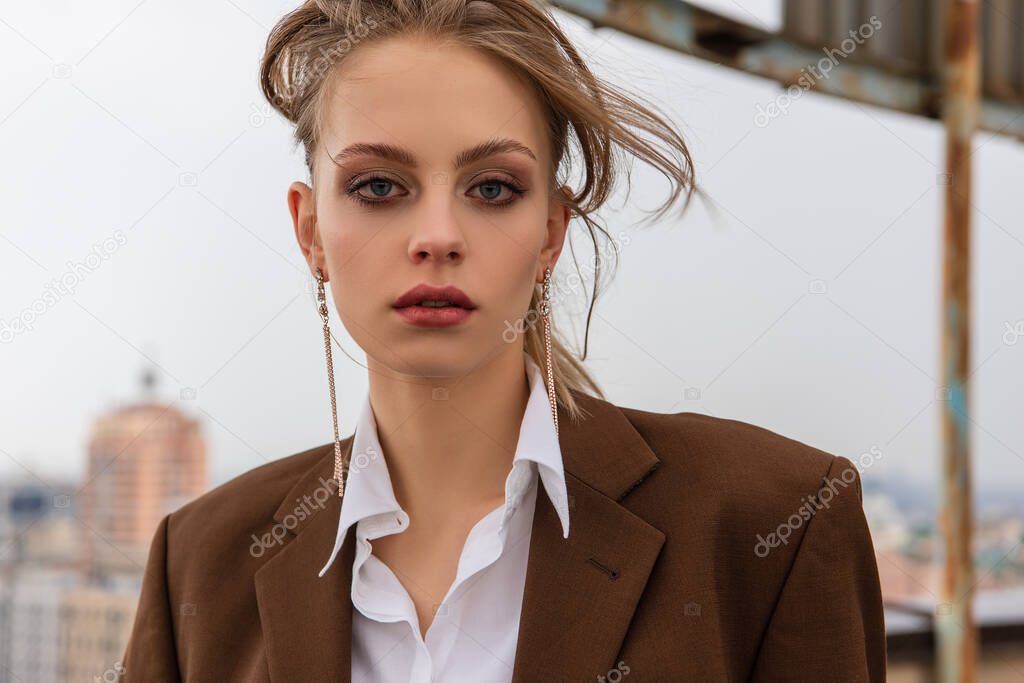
(437, 235)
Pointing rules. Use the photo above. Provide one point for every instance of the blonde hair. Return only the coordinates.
(307, 43)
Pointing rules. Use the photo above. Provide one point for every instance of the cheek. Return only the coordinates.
(357, 281)
(511, 277)
(352, 249)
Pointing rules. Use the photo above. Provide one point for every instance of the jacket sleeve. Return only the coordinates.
(151, 655)
(828, 621)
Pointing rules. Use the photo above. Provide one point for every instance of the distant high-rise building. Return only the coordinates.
(144, 460)
(30, 633)
(94, 627)
(38, 524)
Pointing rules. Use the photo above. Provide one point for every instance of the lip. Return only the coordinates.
(407, 306)
(424, 292)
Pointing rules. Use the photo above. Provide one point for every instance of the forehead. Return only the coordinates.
(430, 97)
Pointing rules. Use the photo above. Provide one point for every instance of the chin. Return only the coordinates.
(436, 359)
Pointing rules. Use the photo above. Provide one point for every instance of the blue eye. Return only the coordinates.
(490, 190)
(495, 186)
(380, 187)
(377, 183)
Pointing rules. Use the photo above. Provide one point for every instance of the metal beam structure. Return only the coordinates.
(955, 632)
(706, 35)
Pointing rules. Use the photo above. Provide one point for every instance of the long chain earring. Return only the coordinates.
(340, 467)
(545, 311)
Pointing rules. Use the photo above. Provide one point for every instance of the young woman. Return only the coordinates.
(493, 517)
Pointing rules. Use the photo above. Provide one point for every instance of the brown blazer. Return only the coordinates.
(675, 568)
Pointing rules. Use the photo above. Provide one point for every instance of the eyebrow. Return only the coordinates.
(463, 158)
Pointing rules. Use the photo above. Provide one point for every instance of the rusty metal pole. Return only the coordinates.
(956, 636)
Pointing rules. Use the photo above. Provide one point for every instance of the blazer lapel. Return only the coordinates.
(580, 591)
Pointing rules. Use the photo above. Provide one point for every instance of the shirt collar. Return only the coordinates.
(368, 490)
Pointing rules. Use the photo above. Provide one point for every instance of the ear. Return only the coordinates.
(302, 207)
(559, 214)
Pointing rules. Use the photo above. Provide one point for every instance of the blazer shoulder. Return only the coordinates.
(245, 501)
(737, 458)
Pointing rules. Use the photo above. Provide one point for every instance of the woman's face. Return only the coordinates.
(406, 202)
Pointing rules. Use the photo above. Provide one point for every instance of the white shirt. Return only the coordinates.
(474, 632)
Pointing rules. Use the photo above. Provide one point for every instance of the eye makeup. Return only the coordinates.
(377, 179)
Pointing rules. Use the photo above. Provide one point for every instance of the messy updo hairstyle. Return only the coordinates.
(308, 43)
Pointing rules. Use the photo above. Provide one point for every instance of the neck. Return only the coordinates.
(449, 440)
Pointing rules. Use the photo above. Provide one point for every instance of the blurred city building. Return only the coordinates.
(72, 555)
(144, 460)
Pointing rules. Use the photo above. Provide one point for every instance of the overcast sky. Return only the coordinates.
(134, 138)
